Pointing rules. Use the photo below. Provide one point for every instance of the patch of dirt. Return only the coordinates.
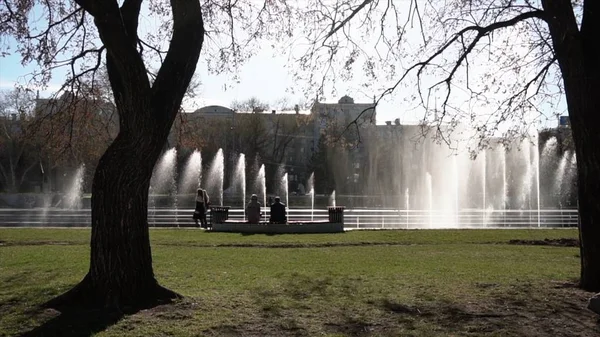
(179, 311)
(564, 242)
(508, 312)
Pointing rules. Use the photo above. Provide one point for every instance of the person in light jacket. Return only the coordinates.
(253, 210)
(202, 202)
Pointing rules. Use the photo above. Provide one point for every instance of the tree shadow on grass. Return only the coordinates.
(76, 323)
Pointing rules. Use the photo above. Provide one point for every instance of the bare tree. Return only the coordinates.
(121, 264)
(149, 75)
(490, 64)
(15, 145)
(251, 105)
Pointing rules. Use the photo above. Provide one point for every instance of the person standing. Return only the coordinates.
(202, 202)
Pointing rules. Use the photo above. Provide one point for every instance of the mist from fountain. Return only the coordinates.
(261, 179)
(332, 199)
(239, 179)
(74, 194)
(548, 150)
(311, 186)
(429, 184)
(484, 179)
(456, 189)
(192, 174)
(570, 173)
(559, 180)
(548, 166)
(407, 202)
(525, 195)
(164, 177)
(215, 177)
(443, 182)
(537, 177)
(285, 183)
(502, 158)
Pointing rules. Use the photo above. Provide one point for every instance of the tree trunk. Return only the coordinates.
(121, 273)
(588, 181)
(576, 50)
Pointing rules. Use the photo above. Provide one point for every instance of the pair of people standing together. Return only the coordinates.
(202, 204)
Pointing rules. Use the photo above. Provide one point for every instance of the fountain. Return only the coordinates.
(429, 184)
(286, 191)
(74, 194)
(240, 179)
(407, 201)
(502, 159)
(311, 185)
(537, 177)
(192, 174)
(569, 174)
(262, 181)
(560, 176)
(525, 195)
(332, 199)
(484, 179)
(456, 190)
(215, 177)
(163, 181)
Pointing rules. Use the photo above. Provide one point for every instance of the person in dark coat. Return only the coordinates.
(202, 202)
(278, 212)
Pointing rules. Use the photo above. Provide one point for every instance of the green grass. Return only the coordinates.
(195, 237)
(379, 283)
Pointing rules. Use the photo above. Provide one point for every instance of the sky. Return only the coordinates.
(264, 76)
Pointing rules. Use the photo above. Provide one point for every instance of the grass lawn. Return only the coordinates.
(359, 283)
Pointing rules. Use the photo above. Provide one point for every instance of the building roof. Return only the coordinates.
(346, 100)
(215, 110)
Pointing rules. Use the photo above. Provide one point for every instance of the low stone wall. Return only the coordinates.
(297, 228)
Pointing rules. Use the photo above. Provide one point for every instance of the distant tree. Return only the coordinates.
(16, 158)
(251, 105)
(73, 132)
(321, 164)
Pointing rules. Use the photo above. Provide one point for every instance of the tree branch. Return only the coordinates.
(180, 62)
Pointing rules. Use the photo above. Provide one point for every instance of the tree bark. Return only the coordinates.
(578, 56)
(121, 273)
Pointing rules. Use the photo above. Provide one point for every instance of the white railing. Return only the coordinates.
(353, 218)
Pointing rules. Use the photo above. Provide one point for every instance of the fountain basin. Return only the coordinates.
(291, 227)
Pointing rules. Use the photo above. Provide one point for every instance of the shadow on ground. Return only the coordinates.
(76, 323)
